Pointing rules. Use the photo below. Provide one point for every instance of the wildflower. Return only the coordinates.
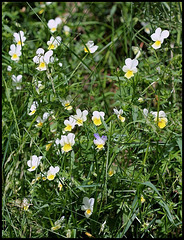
(70, 124)
(96, 117)
(42, 59)
(145, 112)
(67, 142)
(54, 42)
(142, 199)
(162, 119)
(53, 24)
(136, 51)
(15, 52)
(9, 68)
(140, 100)
(119, 113)
(158, 37)
(52, 172)
(57, 224)
(111, 172)
(41, 121)
(60, 186)
(146, 27)
(48, 146)
(130, 67)
(33, 107)
(17, 81)
(66, 103)
(90, 47)
(34, 162)
(102, 227)
(99, 141)
(88, 206)
(19, 38)
(66, 30)
(25, 204)
(80, 117)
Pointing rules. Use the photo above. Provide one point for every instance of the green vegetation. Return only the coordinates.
(134, 172)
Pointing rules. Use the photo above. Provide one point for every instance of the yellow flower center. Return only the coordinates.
(33, 167)
(44, 178)
(100, 146)
(67, 106)
(41, 11)
(162, 122)
(68, 128)
(33, 112)
(48, 146)
(40, 124)
(111, 172)
(60, 186)
(79, 121)
(51, 177)
(97, 121)
(19, 43)
(38, 178)
(157, 44)
(42, 65)
(26, 208)
(56, 227)
(88, 211)
(121, 118)
(86, 50)
(14, 56)
(129, 74)
(51, 46)
(53, 29)
(67, 147)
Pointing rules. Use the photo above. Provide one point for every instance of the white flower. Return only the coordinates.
(19, 38)
(119, 113)
(42, 59)
(136, 51)
(162, 118)
(60, 64)
(96, 117)
(15, 52)
(25, 204)
(158, 37)
(145, 112)
(40, 120)
(52, 24)
(52, 172)
(80, 117)
(146, 27)
(90, 47)
(57, 224)
(99, 141)
(88, 206)
(34, 162)
(140, 100)
(70, 124)
(66, 102)
(54, 42)
(130, 67)
(9, 68)
(67, 142)
(66, 30)
(17, 81)
(33, 108)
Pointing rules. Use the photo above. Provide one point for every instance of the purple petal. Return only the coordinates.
(104, 138)
(96, 135)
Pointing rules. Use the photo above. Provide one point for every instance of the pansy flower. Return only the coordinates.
(40, 120)
(15, 52)
(17, 81)
(33, 108)
(67, 102)
(67, 142)
(54, 42)
(19, 38)
(119, 113)
(130, 67)
(88, 206)
(99, 141)
(90, 47)
(158, 37)
(52, 172)
(80, 117)
(162, 119)
(34, 162)
(70, 124)
(96, 117)
(53, 24)
(42, 59)
(66, 30)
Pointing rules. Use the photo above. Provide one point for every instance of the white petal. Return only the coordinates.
(58, 20)
(165, 34)
(125, 68)
(128, 62)
(134, 63)
(47, 56)
(93, 49)
(91, 202)
(40, 51)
